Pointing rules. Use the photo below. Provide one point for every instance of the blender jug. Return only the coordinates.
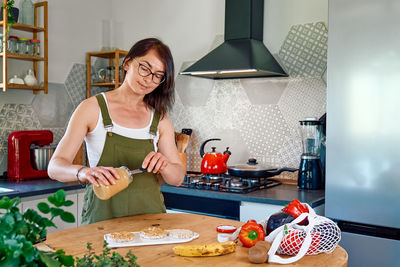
(310, 170)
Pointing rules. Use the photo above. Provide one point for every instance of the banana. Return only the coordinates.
(213, 249)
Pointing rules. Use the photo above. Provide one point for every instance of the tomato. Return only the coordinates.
(293, 240)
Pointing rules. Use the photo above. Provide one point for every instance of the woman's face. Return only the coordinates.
(151, 65)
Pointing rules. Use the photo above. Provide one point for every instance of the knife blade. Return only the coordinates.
(136, 171)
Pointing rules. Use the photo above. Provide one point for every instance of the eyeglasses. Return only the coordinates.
(145, 71)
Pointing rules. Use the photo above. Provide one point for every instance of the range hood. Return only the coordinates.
(243, 53)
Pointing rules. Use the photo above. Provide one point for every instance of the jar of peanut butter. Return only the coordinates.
(105, 192)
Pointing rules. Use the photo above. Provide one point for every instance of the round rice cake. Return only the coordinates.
(180, 233)
(121, 237)
(153, 232)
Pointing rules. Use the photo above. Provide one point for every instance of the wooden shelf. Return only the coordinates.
(24, 27)
(22, 86)
(23, 57)
(109, 54)
(113, 57)
(37, 62)
(105, 84)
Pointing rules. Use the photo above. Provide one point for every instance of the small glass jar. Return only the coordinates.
(22, 47)
(35, 46)
(12, 44)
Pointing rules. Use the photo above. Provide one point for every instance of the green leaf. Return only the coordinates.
(60, 196)
(56, 212)
(7, 223)
(52, 199)
(43, 207)
(5, 203)
(15, 201)
(67, 217)
(66, 260)
(49, 259)
(68, 203)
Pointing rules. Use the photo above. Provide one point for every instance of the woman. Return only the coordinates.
(129, 127)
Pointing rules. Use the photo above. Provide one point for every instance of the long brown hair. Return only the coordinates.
(162, 98)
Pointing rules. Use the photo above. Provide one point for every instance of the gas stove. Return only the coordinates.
(226, 183)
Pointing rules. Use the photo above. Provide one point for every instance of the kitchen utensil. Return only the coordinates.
(40, 156)
(253, 169)
(20, 161)
(187, 131)
(182, 141)
(30, 78)
(310, 170)
(136, 171)
(214, 162)
(16, 80)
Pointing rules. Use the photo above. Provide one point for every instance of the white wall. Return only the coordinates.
(190, 26)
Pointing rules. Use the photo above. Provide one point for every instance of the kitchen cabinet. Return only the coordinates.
(11, 58)
(113, 58)
(31, 203)
(260, 211)
(257, 211)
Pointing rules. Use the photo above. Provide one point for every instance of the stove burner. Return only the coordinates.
(236, 182)
(226, 183)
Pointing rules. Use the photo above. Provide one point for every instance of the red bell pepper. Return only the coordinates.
(250, 233)
(295, 208)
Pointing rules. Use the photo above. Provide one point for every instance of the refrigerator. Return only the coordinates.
(363, 129)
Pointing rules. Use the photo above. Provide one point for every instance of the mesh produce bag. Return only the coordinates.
(320, 235)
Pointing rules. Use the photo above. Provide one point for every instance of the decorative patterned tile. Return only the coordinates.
(55, 108)
(264, 90)
(98, 90)
(264, 130)
(193, 91)
(304, 51)
(227, 104)
(303, 97)
(58, 133)
(289, 154)
(76, 84)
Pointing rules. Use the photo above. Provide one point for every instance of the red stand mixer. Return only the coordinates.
(20, 160)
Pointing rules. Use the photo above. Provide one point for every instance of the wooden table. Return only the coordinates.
(73, 241)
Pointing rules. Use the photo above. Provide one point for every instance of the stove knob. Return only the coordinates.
(215, 187)
(208, 186)
(186, 179)
(193, 184)
(200, 185)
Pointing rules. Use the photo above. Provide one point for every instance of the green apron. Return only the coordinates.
(143, 194)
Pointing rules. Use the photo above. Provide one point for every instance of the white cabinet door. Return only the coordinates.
(31, 203)
(257, 211)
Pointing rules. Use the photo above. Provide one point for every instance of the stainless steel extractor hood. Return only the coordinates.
(243, 53)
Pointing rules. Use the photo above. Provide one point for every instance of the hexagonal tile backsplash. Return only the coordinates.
(253, 117)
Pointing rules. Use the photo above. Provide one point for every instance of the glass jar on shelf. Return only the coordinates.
(22, 46)
(35, 46)
(12, 44)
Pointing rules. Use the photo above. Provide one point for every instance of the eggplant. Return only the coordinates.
(278, 219)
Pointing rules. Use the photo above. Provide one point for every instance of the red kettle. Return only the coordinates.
(214, 162)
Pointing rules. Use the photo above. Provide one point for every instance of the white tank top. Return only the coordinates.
(96, 139)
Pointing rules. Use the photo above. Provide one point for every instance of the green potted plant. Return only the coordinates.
(20, 231)
(12, 12)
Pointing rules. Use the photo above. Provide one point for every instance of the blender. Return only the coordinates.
(310, 170)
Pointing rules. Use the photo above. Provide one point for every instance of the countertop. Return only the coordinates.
(278, 195)
(73, 241)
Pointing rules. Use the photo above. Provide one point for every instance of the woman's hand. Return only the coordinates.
(155, 162)
(106, 175)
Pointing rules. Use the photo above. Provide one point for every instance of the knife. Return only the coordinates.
(136, 171)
